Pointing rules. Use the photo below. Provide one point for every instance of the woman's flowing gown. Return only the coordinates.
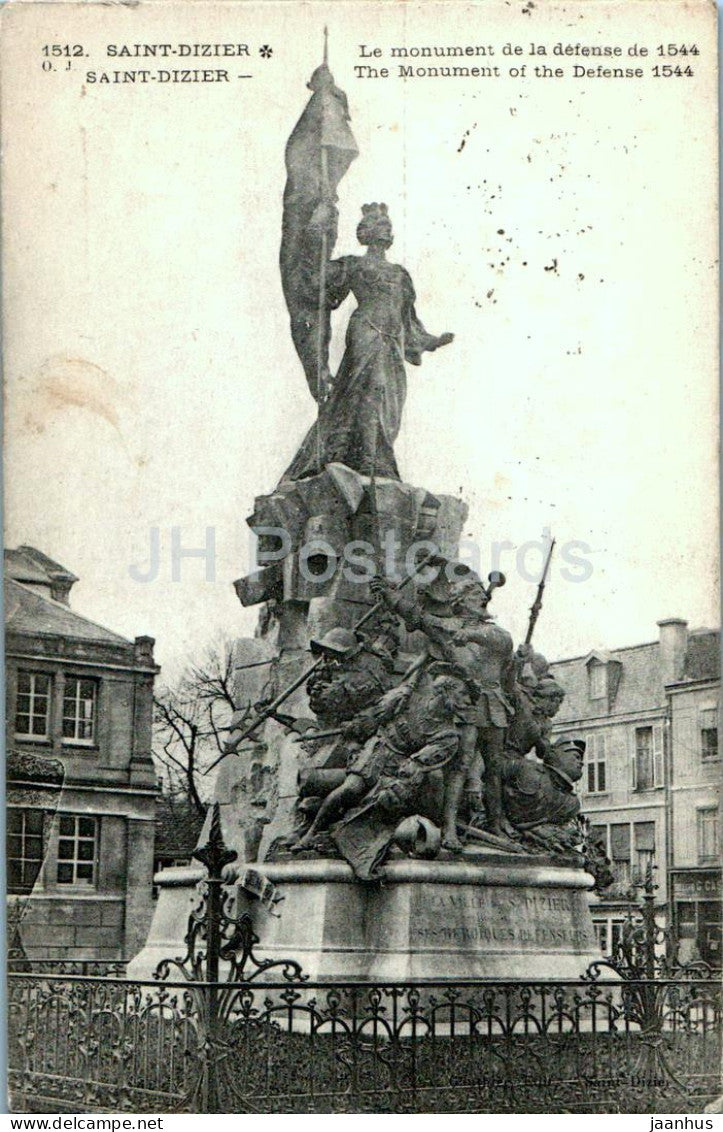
(359, 420)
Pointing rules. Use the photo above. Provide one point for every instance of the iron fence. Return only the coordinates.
(22, 964)
(222, 1030)
(99, 1044)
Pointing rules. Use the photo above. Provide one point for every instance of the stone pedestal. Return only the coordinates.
(177, 897)
(480, 916)
(490, 915)
(483, 916)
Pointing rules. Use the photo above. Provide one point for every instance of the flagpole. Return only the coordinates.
(320, 390)
(322, 278)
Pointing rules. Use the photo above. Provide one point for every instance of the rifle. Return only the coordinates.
(314, 735)
(491, 839)
(271, 709)
(536, 606)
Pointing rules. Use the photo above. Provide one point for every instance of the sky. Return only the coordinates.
(563, 230)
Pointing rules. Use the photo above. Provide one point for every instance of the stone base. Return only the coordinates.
(177, 897)
(481, 916)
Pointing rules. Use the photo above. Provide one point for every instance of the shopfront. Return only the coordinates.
(696, 897)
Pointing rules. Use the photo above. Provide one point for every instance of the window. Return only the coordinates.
(699, 930)
(609, 933)
(598, 678)
(628, 867)
(79, 699)
(708, 847)
(32, 715)
(709, 733)
(595, 780)
(77, 849)
(617, 933)
(24, 848)
(620, 856)
(648, 758)
(644, 834)
(686, 921)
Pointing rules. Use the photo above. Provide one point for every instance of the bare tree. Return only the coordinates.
(190, 720)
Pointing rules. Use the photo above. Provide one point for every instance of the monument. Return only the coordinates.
(389, 770)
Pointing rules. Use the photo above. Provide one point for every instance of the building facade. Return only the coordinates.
(81, 784)
(694, 800)
(649, 715)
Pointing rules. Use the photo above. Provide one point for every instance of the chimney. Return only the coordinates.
(673, 648)
(143, 649)
(60, 588)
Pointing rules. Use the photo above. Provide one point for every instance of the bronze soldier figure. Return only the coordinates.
(540, 798)
(414, 735)
(356, 671)
(538, 698)
(460, 629)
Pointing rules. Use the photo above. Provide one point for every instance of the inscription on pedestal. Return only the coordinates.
(499, 918)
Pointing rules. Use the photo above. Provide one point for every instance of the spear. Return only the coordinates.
(270, 710)
(536, 606)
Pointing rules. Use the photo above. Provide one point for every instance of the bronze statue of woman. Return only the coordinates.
(360, 410)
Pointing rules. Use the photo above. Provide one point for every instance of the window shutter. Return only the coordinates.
(633, 760)
(589, 763)
(658, 761)
(602, 767)
(645, 836)
(620, 842)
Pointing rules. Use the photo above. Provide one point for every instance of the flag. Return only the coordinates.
(318, 153)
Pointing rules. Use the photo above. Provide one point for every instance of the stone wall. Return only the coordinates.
(71, 927)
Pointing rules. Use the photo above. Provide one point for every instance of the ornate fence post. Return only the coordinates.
(216, 935)
(652, 997)
(649, 925)
(215, 856)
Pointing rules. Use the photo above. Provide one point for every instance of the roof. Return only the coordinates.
(641, 684)
(27, 611)
(26, 564)
(178, 827)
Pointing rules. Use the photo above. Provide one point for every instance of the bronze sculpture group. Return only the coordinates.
(421, 750)
(459, 741)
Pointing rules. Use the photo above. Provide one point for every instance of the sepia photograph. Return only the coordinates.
(362, 630)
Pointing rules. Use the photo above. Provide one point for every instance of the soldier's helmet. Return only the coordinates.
(322, 78)
(535, 671)
(548, 688)
(336, 642)
(538, 663)
(567, 755)
(441, 586)
(568, 744)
